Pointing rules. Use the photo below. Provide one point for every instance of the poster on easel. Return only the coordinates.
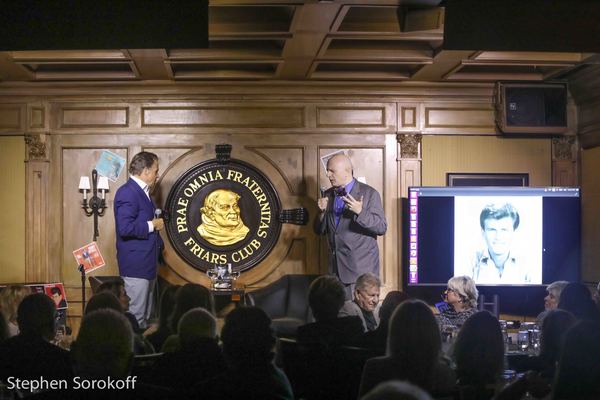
(90, 257)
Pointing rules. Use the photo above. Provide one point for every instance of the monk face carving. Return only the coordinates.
(222, 224)
(227, 212)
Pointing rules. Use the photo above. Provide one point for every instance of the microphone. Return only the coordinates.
(157, 213)
(322, 190)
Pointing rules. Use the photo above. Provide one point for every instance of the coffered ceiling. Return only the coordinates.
(345, 40)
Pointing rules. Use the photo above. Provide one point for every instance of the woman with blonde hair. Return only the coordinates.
(461, 296)
(10, 298)
(413, 352)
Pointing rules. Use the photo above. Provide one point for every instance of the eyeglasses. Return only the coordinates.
(450, 290)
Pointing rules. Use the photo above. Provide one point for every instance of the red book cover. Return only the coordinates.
(90, 257)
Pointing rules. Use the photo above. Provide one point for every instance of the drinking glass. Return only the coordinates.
(523, 340)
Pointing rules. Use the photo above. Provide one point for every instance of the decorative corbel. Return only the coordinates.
(563, 148)
(410, 144)
(37, 150)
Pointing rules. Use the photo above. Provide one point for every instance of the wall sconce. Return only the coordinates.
(96, 205)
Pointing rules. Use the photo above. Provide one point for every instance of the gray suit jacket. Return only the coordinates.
(353, 242)
(351, 309)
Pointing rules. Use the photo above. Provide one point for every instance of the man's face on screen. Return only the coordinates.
(498, 235)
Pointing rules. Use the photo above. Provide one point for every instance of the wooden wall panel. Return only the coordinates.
(224, 116)
(590, 213)
(351, 117)
(92, 117)
(37, 118)
(12, 200)
(289, 161)
(77, 229)
(408, 117)
(11, 117)
(462, 118)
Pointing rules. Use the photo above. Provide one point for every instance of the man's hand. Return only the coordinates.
(322, 204)
(352, 204)
(158, 223)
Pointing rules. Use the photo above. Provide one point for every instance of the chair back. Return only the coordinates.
(96, 281)
(287, 297)
(318, 372)
(492, 305)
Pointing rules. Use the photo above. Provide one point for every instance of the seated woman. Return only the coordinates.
(479, 354)
(413, 352)
(577, 299)
(461, 296)
(10, 298)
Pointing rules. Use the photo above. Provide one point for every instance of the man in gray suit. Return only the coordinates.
(366, 302)
(351, 214)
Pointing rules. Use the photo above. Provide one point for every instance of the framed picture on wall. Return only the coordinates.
(491, 179)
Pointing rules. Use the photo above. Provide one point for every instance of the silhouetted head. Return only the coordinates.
(554, 328)
(389, 304)
(247, 337)
(479, 350)
(326, 296)
(35, 316)
(116, 287)
(195, 326)
(577, 299)
(397, 390)
(578, 372)
(104, 345)
(190, 296)
(101, 301)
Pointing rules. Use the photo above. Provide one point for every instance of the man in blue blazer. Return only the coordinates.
(138, 239)
(351, 214)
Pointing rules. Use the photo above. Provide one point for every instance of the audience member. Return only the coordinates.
(101, 301)
(551, 300)
(413, 352)
(104, 352)
(366, 302)
(377, 339)
(542, 368)
(461, 296)
(190, 296)
(157, 334)
(326, 295)
(248, 342)
(577, 299)
(479, 352)
(30, 354)
(578, 371)
(554, 328)
(10, 298)
(397, 390)
(597, 295)
(3, 328)
(107, 300)
(104, 345)
(117, 287)
(198, 356)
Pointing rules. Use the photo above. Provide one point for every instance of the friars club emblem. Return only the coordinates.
(225, 211)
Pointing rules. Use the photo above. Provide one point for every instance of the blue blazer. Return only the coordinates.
(137, 249)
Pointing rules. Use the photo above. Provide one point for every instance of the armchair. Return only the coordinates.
(285, 301)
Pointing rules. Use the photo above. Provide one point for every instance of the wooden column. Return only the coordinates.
(37, 167)
(409, 174)
(409, 161)
(565, 151)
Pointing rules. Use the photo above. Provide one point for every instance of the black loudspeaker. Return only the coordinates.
(528, 108)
